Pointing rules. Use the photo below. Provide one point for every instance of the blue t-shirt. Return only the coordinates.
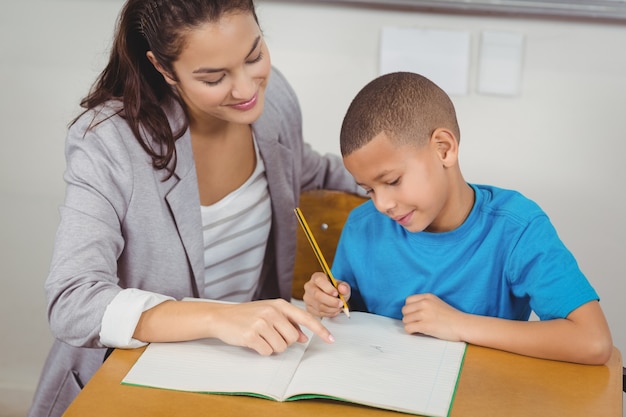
(505, 260)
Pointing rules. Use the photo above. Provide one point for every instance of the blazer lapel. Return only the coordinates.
(278, 161)
(184, 202)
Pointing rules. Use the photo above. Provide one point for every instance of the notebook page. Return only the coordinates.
(209, 365)
(374, 362)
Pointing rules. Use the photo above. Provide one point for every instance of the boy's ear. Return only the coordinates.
(168, 78)
(446, 146)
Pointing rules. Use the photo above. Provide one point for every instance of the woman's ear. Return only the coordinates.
(168, 78)
(446, 145)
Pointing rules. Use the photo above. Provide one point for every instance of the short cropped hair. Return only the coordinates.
(407, 107)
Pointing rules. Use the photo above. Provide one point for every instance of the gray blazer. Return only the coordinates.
(123, 227)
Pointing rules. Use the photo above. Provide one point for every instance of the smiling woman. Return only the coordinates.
(184, 168)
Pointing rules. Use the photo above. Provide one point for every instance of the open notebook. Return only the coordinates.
(372, 362)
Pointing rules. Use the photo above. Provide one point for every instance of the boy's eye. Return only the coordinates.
(367, 190)
(394, 182)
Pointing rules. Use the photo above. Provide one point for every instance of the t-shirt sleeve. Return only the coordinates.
(543, 269)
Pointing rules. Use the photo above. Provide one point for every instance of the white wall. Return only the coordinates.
(50, 53)
(561, 142)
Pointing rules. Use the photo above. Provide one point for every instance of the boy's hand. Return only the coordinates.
(429, 315)
(321, 297)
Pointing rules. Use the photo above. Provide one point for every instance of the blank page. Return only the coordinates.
(375, 362)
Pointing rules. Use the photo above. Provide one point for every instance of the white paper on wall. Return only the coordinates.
(500, 63)
(440, 55)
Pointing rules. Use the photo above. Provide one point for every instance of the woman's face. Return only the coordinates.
(223, 70)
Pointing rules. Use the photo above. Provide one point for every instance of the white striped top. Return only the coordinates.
(235, 231)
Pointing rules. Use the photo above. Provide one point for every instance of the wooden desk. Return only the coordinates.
(492, 383)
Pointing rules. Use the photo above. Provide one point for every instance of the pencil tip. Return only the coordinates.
(345, 310)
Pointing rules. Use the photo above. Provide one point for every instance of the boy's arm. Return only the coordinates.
(582, 337)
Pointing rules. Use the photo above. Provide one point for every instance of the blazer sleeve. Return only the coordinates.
(83, 273)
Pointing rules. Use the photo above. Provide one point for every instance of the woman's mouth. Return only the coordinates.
(245, 105)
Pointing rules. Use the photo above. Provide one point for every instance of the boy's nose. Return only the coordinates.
(384, 203)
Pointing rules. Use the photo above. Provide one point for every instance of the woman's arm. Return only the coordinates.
(267, 326)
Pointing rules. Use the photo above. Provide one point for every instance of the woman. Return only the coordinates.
(182, 174)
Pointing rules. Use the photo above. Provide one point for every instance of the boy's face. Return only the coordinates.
(408, 183)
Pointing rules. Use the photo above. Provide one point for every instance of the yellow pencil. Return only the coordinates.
(320, 257)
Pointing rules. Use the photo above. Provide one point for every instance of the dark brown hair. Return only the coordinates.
(159, 26)
(407, 107)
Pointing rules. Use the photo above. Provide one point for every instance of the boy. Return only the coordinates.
(453, 260)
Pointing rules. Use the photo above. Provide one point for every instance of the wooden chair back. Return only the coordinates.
(326, 212)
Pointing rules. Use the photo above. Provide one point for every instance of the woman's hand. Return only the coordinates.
(322, 298)
(267, 326)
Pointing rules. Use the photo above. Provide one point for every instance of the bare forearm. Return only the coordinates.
(173, 321)
(583, 337)
(267, 326)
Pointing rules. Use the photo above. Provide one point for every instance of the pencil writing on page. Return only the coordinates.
(320, 256)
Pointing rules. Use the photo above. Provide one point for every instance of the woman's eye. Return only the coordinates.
(257, 59)
(213, 83)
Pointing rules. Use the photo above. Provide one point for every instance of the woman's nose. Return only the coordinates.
(244, 86)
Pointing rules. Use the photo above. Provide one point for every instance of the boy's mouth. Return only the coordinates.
(405, 219)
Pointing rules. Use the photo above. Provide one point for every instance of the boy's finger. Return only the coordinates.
(324, 284)
(344, 289)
